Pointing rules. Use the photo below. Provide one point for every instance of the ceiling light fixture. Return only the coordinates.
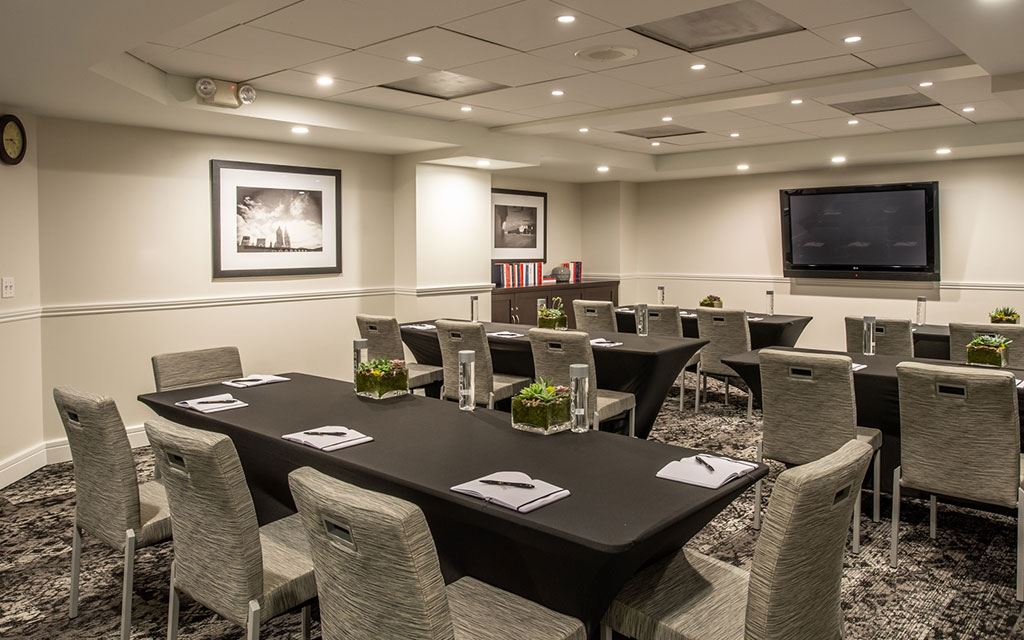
(300, 130)
(325, 81)
(796, 101)
(483, 163)
(943, 151)
(567, 19)
(968, 109)
(838, 159)
(699, 66)
(734, 134)
(666, 119)
(742, 167)
(655, 144)
(465, 108)
(558, 93)
(853, 122)
(602, 169)
(414, 58)
(852, 39)
(926, 83)
(584, 129)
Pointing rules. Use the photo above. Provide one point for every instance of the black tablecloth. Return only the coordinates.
(777, 330)
(572, 556)
(646, 367)
(878, 396)
(931, 341)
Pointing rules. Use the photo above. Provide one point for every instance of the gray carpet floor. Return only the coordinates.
(958, 586)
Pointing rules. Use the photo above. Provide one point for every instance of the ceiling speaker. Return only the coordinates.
(607, 53)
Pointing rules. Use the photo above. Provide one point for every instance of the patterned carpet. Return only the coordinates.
(958, 586)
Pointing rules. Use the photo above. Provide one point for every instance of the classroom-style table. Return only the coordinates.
(765, 331)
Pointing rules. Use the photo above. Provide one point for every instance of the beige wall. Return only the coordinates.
(723, 236)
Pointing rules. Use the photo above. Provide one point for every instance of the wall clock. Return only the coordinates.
(12, 137)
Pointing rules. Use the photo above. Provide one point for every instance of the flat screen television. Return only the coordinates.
(871, 232)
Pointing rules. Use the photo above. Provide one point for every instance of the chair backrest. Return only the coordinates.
(554, 351)
(664, 320)
(218, 559)
(595, 316)
(960, 432)
(961, 334)
(196, 368)
(383, 335)
(729, 333)
(808, 402)
(456, 336)
(106, 486)
(892, 337)
(377, 572)
(794, 591)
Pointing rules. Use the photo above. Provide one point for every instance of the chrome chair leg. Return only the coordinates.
(307, 618)
(893, 561)
(129, 578)
(856, 523)
(252, 624)
(172, 610)
(76, 567)
(876, 480)
(933, 516)
(757, 492)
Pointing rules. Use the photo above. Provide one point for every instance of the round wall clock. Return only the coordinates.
(12, 137)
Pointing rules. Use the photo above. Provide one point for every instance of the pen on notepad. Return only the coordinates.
(214, 401)
(241, 380)
(705, 463)
(502, 483)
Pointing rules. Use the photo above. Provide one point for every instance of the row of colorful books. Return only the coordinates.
(519, 274)
(575, 268)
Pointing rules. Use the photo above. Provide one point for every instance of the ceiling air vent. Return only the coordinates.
(661, 131)
(888, 103)
(445, 85)
(607, 53)
(725, 24)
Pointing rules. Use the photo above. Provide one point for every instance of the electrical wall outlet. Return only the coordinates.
(7, 285)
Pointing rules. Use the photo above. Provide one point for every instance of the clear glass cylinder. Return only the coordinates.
(661, 294)
(921, 317)
(467, 380)
(579, 387)
(770, 302)
(474, 308)
(642, 319)
(358, 347)
(869, 335)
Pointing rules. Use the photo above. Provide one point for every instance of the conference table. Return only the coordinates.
(572, 556)
(647, 367)
(765, 330)
(877, 394)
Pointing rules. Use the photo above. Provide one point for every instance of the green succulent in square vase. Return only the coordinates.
(553, 317)
(988, 350)
(711, 300)
(1004, 315)
(542, 408)
(382, 378)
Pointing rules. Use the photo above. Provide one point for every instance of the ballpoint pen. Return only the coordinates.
(502, 483)
(705, 463)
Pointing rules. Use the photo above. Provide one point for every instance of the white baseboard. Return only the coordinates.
(21, 464)
(58, 450)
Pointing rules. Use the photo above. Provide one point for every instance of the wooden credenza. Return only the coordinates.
(518, 305)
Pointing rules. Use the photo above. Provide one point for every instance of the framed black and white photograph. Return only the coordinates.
(520, 225)
(275, 220)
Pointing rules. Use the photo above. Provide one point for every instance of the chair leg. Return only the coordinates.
(172, 610)
(933, 516)
(129, 577)
(750, 405)
(306, 621)
(696, 391)
(1020, 545)
(632, 423)
(727, 392)
(490, 400)
(252, 624)
(76, 566)
(895, 517)
(856, 523)
(606, 632)
(876, 481)
(757, 493)
(682, 388)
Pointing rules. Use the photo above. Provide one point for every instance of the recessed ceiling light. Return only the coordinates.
(655, 144)
(414, 58)
(943, 151)
(734, 134)
(742, 167)
(699, 66)
(466, 108)
(853, 122)
(300, 130)
(558, 93)
(584, 129)
(852, 39)
(838, 159)
(968, 109)
(325, 81)
(602, 169)
(926, 83)
(483, 163)
(666, 119)
(567, 19)
(796, 101)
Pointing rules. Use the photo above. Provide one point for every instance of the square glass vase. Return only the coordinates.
(542, 418)
(1004, 320)
(987, 356)
(560, 323)
(381, 387)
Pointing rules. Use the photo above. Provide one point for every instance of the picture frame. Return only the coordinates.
(274, 220)
(519, 226)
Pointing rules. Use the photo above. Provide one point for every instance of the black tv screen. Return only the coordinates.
(885, 231)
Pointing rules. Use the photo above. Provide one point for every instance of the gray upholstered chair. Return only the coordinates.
(595, 316)
(222, 558)
(110, 504)
(892, 337)
(378, 574)
(959, 437)
(793, 589)
(961, 334)
(385, 341)
(553, 353)
(457, 335)
(664, 321)
(196, 368)
(809, 411)
(729, 334)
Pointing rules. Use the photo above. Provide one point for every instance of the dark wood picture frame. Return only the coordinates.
(544, 248)
(215, 185)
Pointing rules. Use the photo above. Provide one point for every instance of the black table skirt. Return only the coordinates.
(777, 330)
(572, 556)
(878, 397)
(646, 367)
(931, 341)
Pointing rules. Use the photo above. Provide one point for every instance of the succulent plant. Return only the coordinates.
(990, 342)
(1005, 313)
(543, 392)
(710, 300)
(556, 310)
(382, 367)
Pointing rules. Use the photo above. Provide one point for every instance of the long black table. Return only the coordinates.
(878, 396)
(776, 330)
(571, 556)
(646, 367)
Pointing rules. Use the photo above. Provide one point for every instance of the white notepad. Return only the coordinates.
(755, 319)
(687, 315)
(328, 438)
(213, 404)
(689, 471)
(514, 498)
(1020, 384)
(602, 342)
(421, 327)
(505, 334)
(254, 380)
(857, 367)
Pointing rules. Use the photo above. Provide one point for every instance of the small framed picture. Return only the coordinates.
(275, 220)
(519, 225)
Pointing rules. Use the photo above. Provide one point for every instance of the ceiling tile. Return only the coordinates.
(602, 91)
(811, 69)
(696, 138)
(818, 13)
(520, 98)
(297, 83)
(258, 45)
(647, 49)
(232, 15)
(922, 118)
(772, 52)
(356, 66)
(445, 85)
(907, 53)
(439, 48)
(869, 94)
(784, 112)
(986, 111)
(452, 110)
(732, 82)
(704, 147)
(559, 109)
(766, 134)
(194, 64)
(531, 24)
(837, 128)
(674, 70)
(721, 122)
(890, 30)
(518, 69)
(383, 98)
(962, 90)
(633, 12)
(612, 140)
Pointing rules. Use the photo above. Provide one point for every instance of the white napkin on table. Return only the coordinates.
(328, 438)
(857, 367)
(213, 404)
(254, 380)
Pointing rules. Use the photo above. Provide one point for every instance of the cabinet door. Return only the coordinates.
(501, 307)
(568, 295)
(608, 292)
(526, 306)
